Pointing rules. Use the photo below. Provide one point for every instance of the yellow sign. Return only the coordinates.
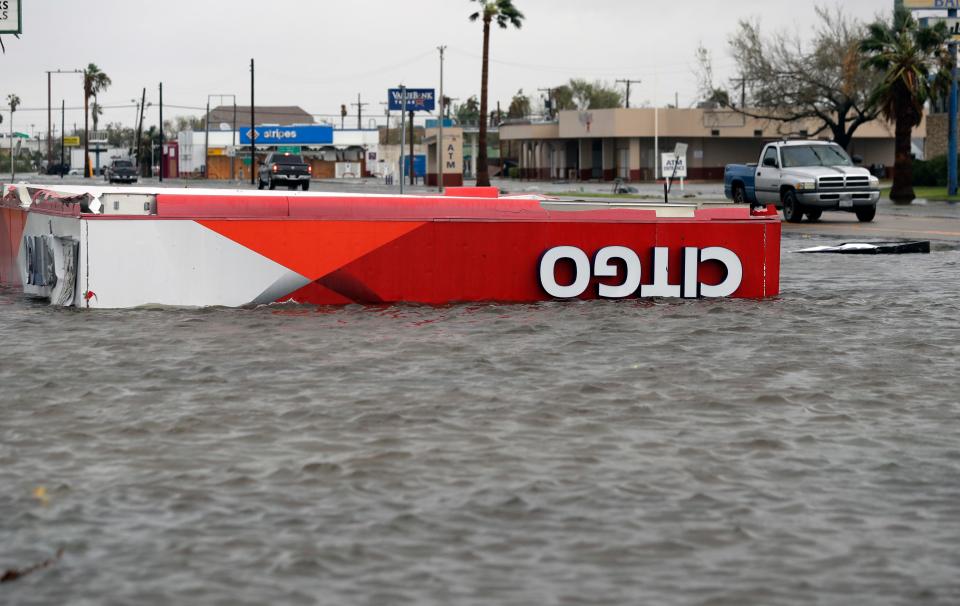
(931, 4)
(71, 141)
(215, 151)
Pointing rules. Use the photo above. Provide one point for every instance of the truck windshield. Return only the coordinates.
(122, 164)
(814, 155)
(288, 159)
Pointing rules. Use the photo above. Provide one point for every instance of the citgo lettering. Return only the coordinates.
(603, 266)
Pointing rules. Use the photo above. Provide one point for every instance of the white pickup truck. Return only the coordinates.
(804, 177)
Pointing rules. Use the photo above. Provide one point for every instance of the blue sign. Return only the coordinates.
(303, 134)
(418, 99)
(419, 165)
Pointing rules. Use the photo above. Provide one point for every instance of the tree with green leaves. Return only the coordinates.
(519, 106)
(914, 64)
(468, 112)
(504, 13)
(94, 82)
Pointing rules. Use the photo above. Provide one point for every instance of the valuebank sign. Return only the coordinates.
(10, 17)
(308, 134)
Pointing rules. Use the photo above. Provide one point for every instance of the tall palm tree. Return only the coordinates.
(13, 100)
(94, 82)
(505, 14)
(915, 65)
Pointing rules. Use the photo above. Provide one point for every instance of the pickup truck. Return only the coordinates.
(122, 170)
(804, 177)
(284, 169)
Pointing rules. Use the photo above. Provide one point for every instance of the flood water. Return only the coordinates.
(800, 450)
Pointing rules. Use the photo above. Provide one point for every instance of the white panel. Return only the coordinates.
(172, 262)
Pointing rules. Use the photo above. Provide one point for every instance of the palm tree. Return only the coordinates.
(13, 100)
(915, 65)
(94, 82)
(504, 13)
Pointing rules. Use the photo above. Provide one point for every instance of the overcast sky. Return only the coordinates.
(320, 53)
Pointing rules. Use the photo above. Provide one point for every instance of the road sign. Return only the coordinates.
(931, 4)
(288, 149)
(667, 163)
(71, 141)
(230, 151)
(304, 134)
(11, 17)
(418, 99)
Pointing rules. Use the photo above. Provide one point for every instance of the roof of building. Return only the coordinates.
(264, 114)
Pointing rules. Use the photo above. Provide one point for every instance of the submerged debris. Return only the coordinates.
(872, 248)
(13, 574)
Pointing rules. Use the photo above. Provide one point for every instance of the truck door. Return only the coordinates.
(768, 176)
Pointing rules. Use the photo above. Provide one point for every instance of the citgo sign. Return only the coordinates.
(604, 266)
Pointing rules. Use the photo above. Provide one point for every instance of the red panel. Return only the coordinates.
(183, 206)
(445, 262)
(12, 223)
(473, 192)
(313, 249)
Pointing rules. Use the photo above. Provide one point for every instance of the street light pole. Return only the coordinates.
(440, 132)
(206, 141)
(253, 131)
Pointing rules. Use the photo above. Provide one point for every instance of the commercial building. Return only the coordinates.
(223, 151)
(623, 143)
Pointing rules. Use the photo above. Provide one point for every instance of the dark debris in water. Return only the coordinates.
(12, 574)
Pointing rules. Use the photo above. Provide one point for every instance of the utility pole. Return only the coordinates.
(233, 142)
(440, 151)
(143, 108)
(413, 174)
(161, 132)
(253, 131)
(386, 110)
(952, 118)
(359, 111)
(50, 110)
(206, 140)
(628, 82)
(63, 132)
(403, 130)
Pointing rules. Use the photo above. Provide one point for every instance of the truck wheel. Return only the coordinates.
(739, 194)
(792, 213)
(259, 183)
(271, 184)
(305, 185)
(865, 215)
(814, 215)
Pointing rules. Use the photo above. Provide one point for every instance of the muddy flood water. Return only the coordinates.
(800, 450)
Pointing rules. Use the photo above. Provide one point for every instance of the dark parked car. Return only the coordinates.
(58, 169)
(284, 169)
(122, 171)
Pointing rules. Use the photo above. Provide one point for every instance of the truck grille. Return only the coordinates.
(839, 182)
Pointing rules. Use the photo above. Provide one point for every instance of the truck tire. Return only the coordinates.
(305, 185)
(271, 184)
(739, 194)
(792, 210)
(814, 215)
(866, 214)
(259, 183)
